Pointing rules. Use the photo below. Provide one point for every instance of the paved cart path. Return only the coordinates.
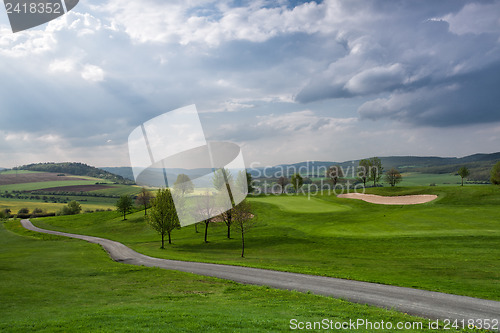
(422, 303)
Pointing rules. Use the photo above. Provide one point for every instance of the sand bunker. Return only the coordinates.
(401, 200)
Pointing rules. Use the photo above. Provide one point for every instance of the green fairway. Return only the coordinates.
(449, 245)
(297, 204)
(423, 179)
(56, 284)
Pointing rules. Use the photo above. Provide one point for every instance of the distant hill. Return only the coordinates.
(125, 172)
(77, 169)
(478, 164)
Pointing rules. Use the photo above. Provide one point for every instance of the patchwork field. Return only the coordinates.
(51, 191)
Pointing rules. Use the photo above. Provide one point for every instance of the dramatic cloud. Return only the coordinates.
(309, 77)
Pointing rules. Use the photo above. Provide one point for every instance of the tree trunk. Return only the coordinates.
(124, 213)
(196, 227)
(206, 230)
(242, 244)
(229, 221)
(169, 239)
(462, 181)
(145, 210)
(162, 241)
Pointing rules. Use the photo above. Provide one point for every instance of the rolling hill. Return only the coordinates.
(76, 169)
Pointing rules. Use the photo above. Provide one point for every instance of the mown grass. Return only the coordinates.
(425, 179)
(448, 245)
(56, 284)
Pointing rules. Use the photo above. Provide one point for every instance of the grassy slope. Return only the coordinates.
(448, 245)
(51, 283)
(42, 185)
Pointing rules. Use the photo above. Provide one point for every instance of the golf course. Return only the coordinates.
(449, 245)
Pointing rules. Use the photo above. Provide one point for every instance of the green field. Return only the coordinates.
(449, 245)
(423, 179)
(42, 185)
(56, 284)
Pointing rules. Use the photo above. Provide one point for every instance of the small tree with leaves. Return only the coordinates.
(124, 205)
(297, 182)
(495, 174)
(393, 177)
(162, 216)
(183, 184)
(243, 220)
(143, 199)
(375, 170)
(463, 172)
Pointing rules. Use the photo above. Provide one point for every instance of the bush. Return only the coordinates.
(72, 208)
(23, 211)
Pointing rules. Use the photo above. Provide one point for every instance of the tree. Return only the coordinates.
(393, 177)
(283, 182)
(183, 184)
(205, 209)
(124, 205)
(464, 173)
(495, 174)
(72, 208)
(334, 173)
(243, 221)
(244, 182)
(375, 170)
(363, 171)
(297, 182)
(222, 179)
(143, 199)
(23, 211)
(162, 215)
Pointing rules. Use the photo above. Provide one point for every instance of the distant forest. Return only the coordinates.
(76, 169)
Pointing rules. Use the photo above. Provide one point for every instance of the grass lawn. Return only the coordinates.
(448, 245)
(424, 179)
(56, 284)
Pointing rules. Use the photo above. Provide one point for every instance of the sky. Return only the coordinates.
(287, 80)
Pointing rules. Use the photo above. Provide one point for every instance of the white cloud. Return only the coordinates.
(475, 18)
(62, 65)
(92, 73)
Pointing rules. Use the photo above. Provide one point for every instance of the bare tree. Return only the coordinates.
(243, 220)
(283, 182)
(393, 177)
(143, 199)
(334, 173)
(205, 210)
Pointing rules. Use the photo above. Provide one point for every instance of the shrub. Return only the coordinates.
(23, 211)
(72, 208)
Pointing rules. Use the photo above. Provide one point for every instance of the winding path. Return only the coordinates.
(416, 302)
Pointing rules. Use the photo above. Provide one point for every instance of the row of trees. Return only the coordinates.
(164, 215)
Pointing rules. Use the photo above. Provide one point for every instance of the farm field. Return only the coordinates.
(53, 191)
(448, 245)
(79, 288)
